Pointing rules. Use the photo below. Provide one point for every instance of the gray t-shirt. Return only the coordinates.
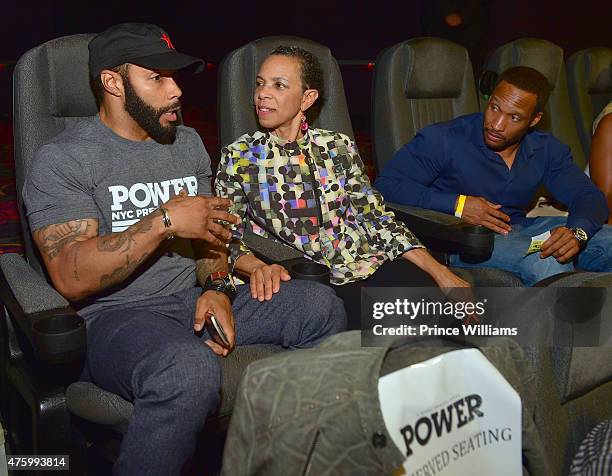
(88, 171)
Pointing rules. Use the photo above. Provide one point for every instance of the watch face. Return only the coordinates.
(220, 276)
(225, 280)
(580, 235)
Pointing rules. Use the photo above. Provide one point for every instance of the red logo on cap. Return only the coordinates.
(166, 38)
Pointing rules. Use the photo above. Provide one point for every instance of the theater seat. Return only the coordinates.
(417, 83)
(547, 58)
(237, 81)
(589, 79)
(41, 335)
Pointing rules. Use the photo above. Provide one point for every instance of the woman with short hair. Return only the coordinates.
(306, 187)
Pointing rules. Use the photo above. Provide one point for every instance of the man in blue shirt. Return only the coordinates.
(487, 167)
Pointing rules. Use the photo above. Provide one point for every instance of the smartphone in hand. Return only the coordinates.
(216, 331)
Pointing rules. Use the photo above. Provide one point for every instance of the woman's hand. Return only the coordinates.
(443, 277)
(265, 281)
(453, 287)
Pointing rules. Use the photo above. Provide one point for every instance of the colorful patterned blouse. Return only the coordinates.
(312, 195)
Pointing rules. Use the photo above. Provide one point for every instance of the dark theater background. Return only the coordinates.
(355, 32)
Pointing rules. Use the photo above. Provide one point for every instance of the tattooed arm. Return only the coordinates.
(209, 259)
(82, 263)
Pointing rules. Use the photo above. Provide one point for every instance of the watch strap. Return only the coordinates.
(223, 282)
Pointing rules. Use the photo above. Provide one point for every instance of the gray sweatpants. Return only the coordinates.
(148, 353)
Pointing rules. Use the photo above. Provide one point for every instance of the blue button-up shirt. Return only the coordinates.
(451, 158)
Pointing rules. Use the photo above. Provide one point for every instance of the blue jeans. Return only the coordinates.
(148, 353)
(509, 252)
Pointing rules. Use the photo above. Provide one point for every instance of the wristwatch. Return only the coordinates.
(581, 236)
(223, 282)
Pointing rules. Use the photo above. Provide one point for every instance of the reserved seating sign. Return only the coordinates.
(453, 415)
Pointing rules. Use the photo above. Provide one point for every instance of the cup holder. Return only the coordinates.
(302, 268)
(59, 334)
(58, 324)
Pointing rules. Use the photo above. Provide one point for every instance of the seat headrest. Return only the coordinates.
(68, 81)
(261, 48)
(598, 67)
(437, 68)
(237, 80)
(542, 55)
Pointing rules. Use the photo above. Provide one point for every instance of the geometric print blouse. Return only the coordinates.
(311, 194)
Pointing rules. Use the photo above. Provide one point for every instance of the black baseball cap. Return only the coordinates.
(142, 44)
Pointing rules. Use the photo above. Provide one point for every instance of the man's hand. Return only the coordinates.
(265, 281)
(217, 304)
(562, 244)
(198, 217)
(479, 211)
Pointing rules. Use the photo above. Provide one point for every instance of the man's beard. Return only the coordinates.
(147, 117)
(505, 140)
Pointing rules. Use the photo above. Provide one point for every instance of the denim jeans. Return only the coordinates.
(148, 353)
(509, 252)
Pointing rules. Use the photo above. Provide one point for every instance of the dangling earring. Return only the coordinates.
(304, 124)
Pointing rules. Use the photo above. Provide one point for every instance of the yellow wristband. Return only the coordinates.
(460, 205)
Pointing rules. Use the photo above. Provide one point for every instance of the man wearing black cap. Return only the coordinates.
(119, 205)
(147, 51)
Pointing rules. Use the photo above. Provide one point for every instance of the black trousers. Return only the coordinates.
(396, 273)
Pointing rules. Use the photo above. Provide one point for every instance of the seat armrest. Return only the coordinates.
(270, 250)
(55, 332)
(449, 234)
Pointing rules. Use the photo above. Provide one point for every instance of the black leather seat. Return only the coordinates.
(237, 116)
(417, 83)
(589, 80)
(237, 80)
(547, 58)
(51, 93)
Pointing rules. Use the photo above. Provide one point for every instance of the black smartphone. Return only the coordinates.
(216, 331)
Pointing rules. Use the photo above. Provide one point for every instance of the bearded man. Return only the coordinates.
(120, 207)
(486, 168)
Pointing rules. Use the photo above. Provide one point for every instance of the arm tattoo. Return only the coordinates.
(75, 260)
(123, 241)
(54, 238)
(210, 259)
(121, 273)
(204, 267)
(68, 238)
